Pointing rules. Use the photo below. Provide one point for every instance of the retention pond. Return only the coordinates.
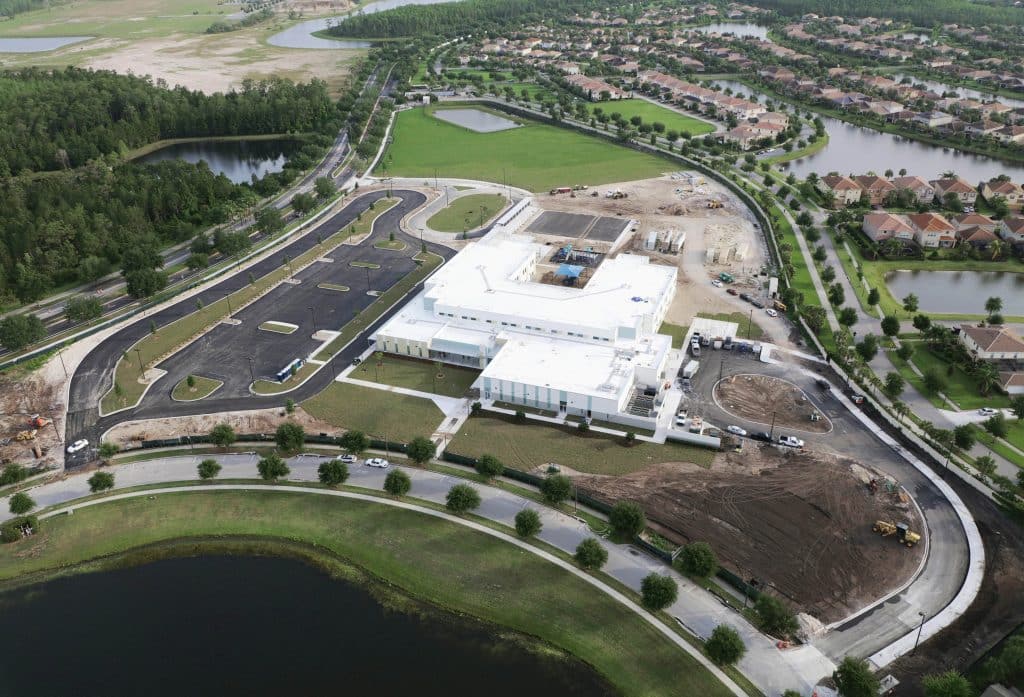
(238, 160)
(959, 292)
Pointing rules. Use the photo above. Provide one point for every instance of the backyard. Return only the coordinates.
(413, 374)
(526, 446)
(467, 212)
(534, 156)
(376, 412)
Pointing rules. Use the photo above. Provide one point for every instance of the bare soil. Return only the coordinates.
(21, 397)
(799, 522)
(757, 397)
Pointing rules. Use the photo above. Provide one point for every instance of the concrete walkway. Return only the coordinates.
(771, 669)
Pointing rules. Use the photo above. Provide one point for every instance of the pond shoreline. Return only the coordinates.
(150, 148)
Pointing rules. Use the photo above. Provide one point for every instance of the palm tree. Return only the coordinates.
(993, 305)
(996, 247)
(986, 467)
(901, 409)
(892, 247)
(987, 376)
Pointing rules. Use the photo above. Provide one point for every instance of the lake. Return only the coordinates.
(959, 292)
(238, 160)
(301, 35)
(475, 120)
(38, 44)
(737, 28)
(853, 149)
(254, 626)
(965, 92)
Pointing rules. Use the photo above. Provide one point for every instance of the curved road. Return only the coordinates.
(93, 377)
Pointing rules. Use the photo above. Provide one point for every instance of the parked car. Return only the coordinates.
(80, 444)
(856, 398)
(681, 421)
(349, 459)
(357, 360)
(757, 303)
(988, 411)
(716, 283)
(377, 462)
(771, 313)
(762, 435)
(823, 384)
(745, 296)
(732, 291)
(736, 430)
(791, 441)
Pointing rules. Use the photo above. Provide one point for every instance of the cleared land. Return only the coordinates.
(278, 327)
(467, 213)
(761, 398)
(376, 412)
(431, 559)
(530, 446)
(203, 387)
(652, 113)
(799, 522)
(536, 157)
(413, 374)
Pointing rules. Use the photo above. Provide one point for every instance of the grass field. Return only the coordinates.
(748, 329)
(172, 336)
(961, 387)
(677, 332)
(535, 156)
(204, 387)
(525, 446)
(121, 19)
(467, 213)
(414, 374)
(278, 327)
(434, 560)
(376, 412)
(653, 113)
(1015, 436)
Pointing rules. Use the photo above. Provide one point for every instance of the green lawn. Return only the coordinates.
(525, 446)
(204, 387)
(415, 374)
(467, 212)
(1015, 436)
(801, 279)
(534, 156)
(677, 332)
(378, 413)
(121, 19)
(653, 113)
(278, 327)
(748, 329)
(961, 388)
(433, 560)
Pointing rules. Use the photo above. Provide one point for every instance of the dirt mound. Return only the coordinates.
(757, 397)
(799, 522)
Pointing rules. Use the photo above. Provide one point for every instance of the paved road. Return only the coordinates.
(773, 670)
(93, 376)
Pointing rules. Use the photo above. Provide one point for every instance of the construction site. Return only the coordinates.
(771, 401)
(28, 434)
(801, 524)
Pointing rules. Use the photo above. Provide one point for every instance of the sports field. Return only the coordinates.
(535, 156)
(652, 113)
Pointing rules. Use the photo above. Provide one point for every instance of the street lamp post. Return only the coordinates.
(920, 627)
(228, 298)
(367, 278)
(750, 320)
(252, 371)
(312, 312)
(60, 355)
(771, 431)
(139, 354)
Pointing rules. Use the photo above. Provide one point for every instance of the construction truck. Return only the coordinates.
(902, 531)
(26, 435)
(617, 194)
(780, 306)
(726, 277)
(715, 203)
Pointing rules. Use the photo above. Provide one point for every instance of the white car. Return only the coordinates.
(791, 441)
(988, 411)
(771, 312)
(78, 445)
(377, 462)
(716, 283)
(349, 459)
(680, 421)
(736, 430)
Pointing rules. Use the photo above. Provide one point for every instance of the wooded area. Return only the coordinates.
(922, 13)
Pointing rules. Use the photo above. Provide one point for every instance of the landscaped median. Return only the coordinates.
(436, 560)
(126, 389)
(199, 388)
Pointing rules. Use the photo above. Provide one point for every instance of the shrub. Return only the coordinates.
(528, 523)
(590, 555)
(333, 472)
(520, 417)
(420, 450)
(658, 591)
(556, 488)
(397, 483)
(854, 678)
(583, 427)
(725, 647)
(208, 469)
(12, 474)
(627, 518)
(355, 442)
(11, 530)
(101, 481)
(489, 466)
(222, 435)
(774, 617)
(462, 498)
(698, 559)
(21, 503)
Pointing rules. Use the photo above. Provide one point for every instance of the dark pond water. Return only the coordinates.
(221, 625)
(962, 292)
(301, 35)
(38, 44)
(856, 150)
(238, 160)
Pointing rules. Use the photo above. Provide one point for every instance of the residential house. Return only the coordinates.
(1011, 134)
(992, 343)
(844, 190)
(1012, 229)
(1012, 193)
(876, 188)
(932, 230)
(964, 191)
(594, 89)
(884, 226)
(976, 236)
(1012, 382)
(934, 119)
(966, 220)
(920, 188)
(745, 135)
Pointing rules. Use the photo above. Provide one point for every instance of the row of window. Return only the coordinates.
(527, 326)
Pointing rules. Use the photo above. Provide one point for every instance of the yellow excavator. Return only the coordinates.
(902, 531)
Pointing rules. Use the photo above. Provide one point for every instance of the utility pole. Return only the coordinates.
(228, 298)
(771, 432)
(139, 354)
(252, 371)
(750, 321)
(367, 278)
(920, 627)
(313, 313)
(60, 355)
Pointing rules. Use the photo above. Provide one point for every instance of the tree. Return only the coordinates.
(847, 316)
(142, 283)
(272, 467)
(18, 331)
(303, 203)
(874, 297)
(815, 317)
(21, 503)
(208, 469)
(922, 322)
(868, 347)
(853, 678)
(590, 555)
(725, 647)
(699, 560)
(1008, 666)
(556, 488)
(355, 442)
(828, 274)
(948, 684)
(774, 617)
(420, 450)
(1017, 405)
(397, 483)
(905, 351)
(222, 435)
(963, 436)
(910, 303)
(528, 523)
(12, 474)
(489, 466)
(627, 519)
(986, 466)
(269, 221)
(289, 406)
(996, 425)
(993, 305)
(462, 498)
(290, 437)
(658, 592)
(324, 187)
(333, 472)
(933, 382)
(101, 481)
(890, 325)
(894, 384)
(82, 308)
(107, 449)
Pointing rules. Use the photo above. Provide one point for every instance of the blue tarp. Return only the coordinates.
(569, 270)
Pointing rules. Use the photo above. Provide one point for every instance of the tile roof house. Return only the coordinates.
(921, 188)
(1012, 229)
(966, 220)
(1012, 382)
(992, 343)
(1010, 191)
(845, 190)
(884, 226)
(932, 230)
(964, 191)
(877, 188)
(977, 237)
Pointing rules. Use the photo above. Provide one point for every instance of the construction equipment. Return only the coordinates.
(38, 421)
(726, 277)
(873, 488)
(902, 531)
(715, 203)
(26, 435)
(616, 194)
(780, 306)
